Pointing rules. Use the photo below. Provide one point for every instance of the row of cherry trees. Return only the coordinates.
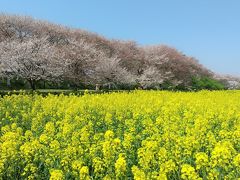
(35, 50)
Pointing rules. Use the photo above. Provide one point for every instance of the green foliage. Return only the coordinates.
(198, 83)
(15, 83)
(167, 85)
(206, 83)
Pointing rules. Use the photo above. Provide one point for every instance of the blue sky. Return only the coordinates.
(206, 29)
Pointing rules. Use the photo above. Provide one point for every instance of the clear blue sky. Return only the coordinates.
(206, 29)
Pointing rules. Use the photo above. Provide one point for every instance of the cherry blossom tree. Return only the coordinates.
(82, 58)
(131, 56)
(38, 50)
(151, 78)
(109, 73)
(166, 59)
(33, 60)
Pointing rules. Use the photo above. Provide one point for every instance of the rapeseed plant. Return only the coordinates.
(138, 135)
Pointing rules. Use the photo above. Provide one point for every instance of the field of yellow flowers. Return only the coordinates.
(138, 135)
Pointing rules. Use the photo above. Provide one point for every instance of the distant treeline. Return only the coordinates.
(38, 54)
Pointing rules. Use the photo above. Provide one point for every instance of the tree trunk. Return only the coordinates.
(97, 87)
(8, 82)
(32, 84)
